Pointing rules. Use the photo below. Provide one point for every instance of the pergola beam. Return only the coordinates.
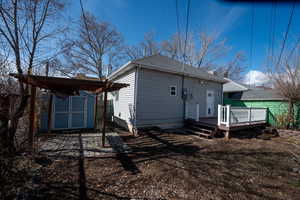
(32, 116)
(68, 86)
(104, 119)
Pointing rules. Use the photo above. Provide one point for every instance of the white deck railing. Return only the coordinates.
(229, 115)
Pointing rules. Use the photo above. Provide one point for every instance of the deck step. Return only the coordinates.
(209, 135)
(203, 134)
(197, 128)
(199, 124)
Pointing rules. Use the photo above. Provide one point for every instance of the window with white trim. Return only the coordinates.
(173, 90)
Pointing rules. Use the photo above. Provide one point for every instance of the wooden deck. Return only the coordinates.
(212, 124)
(230, 119)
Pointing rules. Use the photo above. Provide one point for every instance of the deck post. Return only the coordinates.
(104, 118)
(219, 114)
(227, 135)
(197, 116)
(249, 115)
(228, 116)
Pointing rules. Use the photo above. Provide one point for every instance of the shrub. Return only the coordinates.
(283, 121)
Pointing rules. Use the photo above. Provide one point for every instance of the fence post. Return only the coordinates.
(219, 114)
(228, 116)
(249, 115)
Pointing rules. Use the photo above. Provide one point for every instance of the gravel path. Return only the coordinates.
(87, 144)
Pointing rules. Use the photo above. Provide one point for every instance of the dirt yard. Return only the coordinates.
(172, 165)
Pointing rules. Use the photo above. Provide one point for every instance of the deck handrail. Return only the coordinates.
(224, 115)
(239, 107)
(229, 115)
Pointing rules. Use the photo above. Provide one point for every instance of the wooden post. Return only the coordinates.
(219, 114)
(228, 116)
(50, 113)
(104, 118)
(95, 112)
(227, 135)
(32, 116)
(249, 115)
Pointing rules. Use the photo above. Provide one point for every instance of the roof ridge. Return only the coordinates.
(145, 57)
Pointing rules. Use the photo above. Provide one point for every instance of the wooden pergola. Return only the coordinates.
(66, 86)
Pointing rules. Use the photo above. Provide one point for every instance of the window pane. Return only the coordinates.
(62, 105)
(77, 120)
(61, 120)
(77, 103)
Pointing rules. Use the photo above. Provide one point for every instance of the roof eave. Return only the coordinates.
(120, 71)
(154, 67)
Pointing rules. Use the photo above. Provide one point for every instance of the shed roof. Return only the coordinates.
(69, 85)
(232, 86)
(169, 65)
(257, 94)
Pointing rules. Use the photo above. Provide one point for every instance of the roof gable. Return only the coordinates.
(166, 64)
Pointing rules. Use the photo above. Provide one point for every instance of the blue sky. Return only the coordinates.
(133, 18)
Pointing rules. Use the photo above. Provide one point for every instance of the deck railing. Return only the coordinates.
(229, 115)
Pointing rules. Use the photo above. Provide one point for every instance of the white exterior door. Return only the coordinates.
(210, 103)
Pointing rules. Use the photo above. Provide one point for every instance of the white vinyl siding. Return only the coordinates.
(155, 105)
(123, 100)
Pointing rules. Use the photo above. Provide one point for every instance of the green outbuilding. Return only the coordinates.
(241, 95)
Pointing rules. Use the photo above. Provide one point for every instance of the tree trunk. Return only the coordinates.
(4, 113)
(9, 122)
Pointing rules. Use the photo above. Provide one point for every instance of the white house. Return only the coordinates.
(164, 92)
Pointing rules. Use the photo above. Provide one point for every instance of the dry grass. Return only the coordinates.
(177, 166)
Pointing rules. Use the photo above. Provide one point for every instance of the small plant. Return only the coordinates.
(283, 121)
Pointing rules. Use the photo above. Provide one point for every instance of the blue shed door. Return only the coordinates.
(70, 113)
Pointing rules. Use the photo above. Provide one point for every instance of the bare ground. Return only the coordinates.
(172, 165)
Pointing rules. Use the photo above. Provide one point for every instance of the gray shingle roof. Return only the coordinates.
(232, 86)
(257, 94)
(166, 64)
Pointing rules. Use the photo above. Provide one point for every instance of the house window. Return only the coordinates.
(173, 91)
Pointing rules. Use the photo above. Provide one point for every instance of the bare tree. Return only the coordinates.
(147, 47)
(234, 68)
(25, 27)
(133, 52)
(285, 76)
(173, 47)
(96, 42)
(204, 52)
(176, 48)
